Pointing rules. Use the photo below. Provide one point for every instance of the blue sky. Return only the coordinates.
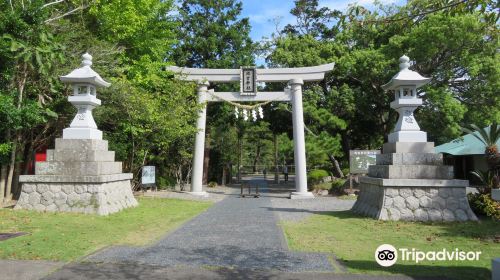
(262, 12)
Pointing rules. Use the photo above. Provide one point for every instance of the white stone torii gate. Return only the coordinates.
(293, 92)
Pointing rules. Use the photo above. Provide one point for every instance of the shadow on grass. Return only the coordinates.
(418, 270)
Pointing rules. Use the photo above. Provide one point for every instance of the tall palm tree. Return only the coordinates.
(489, 138)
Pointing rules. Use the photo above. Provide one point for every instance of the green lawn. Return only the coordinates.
(353, 240)
(67, 236)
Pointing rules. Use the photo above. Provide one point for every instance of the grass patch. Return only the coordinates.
(68, 236)
(353, 239)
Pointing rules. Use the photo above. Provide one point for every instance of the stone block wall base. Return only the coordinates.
(200, 194)
(102, 198)
(301, 195)
(80, 175)
(409, 203)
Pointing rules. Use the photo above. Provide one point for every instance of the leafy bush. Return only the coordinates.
(322, 186)
(483, 204)
(165, 183)
(337, 186)
(487, 179)
(346, 171)
(212, 184)
(314, 177)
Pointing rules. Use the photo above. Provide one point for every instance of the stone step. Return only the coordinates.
(410, 159)
(412, 183)
(78, 168)
(408, 147)
(411, 171)
(80, 155)
(81, 144)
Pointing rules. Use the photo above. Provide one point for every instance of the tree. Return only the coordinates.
(42, 41)
(489, 137)
(211, 35)
(454, 42)
(29, 54)
(311, 19)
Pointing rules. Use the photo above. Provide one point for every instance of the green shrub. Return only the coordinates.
(322, 186)
(212, 184)
(314, 177)
(483, 204)
(337, 186)
(165, 183)
(346, 171)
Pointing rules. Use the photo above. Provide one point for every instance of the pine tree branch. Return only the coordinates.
(52, 3)
(417, 15)
(67, 14)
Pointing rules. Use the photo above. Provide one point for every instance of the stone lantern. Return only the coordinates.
(80, 174)
(84, 81)
(404, 85)
(409, 180)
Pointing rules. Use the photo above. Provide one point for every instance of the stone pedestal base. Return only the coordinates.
(407, 136)
(414, 200)
(301, 195)
(82, 133)
(80, 194)
(410, 183)
(202, 193)
(80, 175)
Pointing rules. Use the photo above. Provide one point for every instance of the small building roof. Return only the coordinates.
(85, 74)
(465, 145)
(405, 76)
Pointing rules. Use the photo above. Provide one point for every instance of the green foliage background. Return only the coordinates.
(149, 117)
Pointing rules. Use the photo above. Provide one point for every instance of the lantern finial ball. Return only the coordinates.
(404, 62)
(86, 59)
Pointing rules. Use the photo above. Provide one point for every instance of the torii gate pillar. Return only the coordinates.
(199, 148)
(299, 143)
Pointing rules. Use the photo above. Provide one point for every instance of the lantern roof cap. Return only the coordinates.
(405, 76)
(85, 74)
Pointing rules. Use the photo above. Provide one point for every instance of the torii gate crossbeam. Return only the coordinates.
(295, 78)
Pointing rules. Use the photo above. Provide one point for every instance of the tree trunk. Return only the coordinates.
(20, 92)
(28, 158)
(240, 151)
(346, 145)
(15, 180)
(256, 159)
(336, 166)
(223, 182)
(230, 175)
(10, 174)
(3, 175)
(276, 167)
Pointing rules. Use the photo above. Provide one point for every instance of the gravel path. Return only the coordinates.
(215, 194)
(92, 271)
(236, 232)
